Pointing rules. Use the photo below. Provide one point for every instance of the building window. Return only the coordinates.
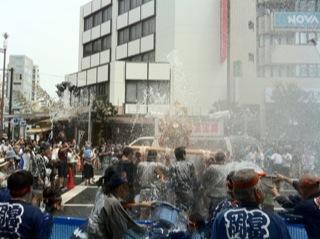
(107, 14)
(102, 89)
(136, 92)
(145, 57)
(135, 31)
(124, 6)
(135, 3)
(97, 18)
(148, 26)
(87, 49)
(148, 92)
(159, 92)
(96, 46)
(123, 36)
(88, 23)
(106, 43)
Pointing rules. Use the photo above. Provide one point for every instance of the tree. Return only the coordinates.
(293, 114)
(103, 110)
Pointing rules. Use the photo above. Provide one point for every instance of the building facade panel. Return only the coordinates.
(95, 60)
(82, 78)
(134, 15)
(86, 37)
(159, 71)
(96, 5)
(85, 63)
(287, 54)
(105, 57)
(105, 28)
(122, 51)
(95, 33)
(147, 43)
(135, 109)
(92, 76)
(105, 3)
(136, 71)
(122, 21)
(134, 47)
(103, 73)
(87, 10)
(148, 10)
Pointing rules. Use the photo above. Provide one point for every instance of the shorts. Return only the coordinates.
(88, 171)
(62, 170)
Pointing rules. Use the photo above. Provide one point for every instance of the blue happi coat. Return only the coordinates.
(248, 221)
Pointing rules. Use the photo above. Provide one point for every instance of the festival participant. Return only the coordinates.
(26, 157)
(126, 167)
(39, 172)
(248, 220)
(22, 220)
(306, 204)
(63, 164)
(11, 157)
(115, 221)
(52, 200)
(229, 202)
(213, 181)
(183, 180)
(88, 173)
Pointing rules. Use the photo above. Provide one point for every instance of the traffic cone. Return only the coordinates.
(70, 179)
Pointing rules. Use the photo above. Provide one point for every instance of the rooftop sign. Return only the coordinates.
(300, 20)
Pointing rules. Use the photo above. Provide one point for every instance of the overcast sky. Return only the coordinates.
(47, 31)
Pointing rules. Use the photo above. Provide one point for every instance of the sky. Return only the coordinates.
(47, 31)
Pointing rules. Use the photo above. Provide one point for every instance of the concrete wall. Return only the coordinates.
(242, 43)
(201, 79)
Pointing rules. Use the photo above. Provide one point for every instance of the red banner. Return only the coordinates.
(224, 29)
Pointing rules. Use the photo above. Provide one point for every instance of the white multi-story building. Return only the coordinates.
(25, 76)
(143, 55)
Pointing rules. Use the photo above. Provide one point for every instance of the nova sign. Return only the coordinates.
(296, 20)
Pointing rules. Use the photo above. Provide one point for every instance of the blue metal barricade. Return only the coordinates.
(297, 231)
(63, 227)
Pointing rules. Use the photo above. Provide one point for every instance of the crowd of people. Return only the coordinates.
(218, 202)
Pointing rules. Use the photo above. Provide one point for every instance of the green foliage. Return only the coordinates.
(103, 109)
(293, 114)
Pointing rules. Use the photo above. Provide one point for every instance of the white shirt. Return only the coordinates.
(277, 158)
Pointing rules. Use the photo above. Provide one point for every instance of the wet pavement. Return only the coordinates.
(79, 201)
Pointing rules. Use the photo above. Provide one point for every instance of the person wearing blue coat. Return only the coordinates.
(248, 220)
(305, 205)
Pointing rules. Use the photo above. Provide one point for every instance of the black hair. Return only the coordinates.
(104, 181)
(127, 151)
(179, 152)
(220, 157)
(18, 181)
(50, 197)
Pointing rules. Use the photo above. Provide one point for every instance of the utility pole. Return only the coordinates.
(89, 121)
(10, 101)
(5, 36)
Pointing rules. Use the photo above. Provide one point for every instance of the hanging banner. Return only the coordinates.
(224, 29)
